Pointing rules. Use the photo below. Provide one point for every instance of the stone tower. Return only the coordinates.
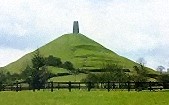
(75, 27)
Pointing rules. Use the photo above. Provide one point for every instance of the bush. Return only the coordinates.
(141, 75)
(53, 61)
(163, 78)
(68, 65)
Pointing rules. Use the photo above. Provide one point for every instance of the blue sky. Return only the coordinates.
(131, 28)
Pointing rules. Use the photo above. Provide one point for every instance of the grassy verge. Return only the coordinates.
(76, 97)
(68, 78)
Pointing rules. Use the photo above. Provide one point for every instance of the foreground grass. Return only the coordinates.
(63, 97)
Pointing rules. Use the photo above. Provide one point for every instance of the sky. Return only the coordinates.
(132, 28)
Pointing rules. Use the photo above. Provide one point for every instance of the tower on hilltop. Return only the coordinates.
(75, 27)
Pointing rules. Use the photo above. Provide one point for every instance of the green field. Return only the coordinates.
(82, 97)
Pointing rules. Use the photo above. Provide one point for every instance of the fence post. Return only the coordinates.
(150, 85)
(79, 85)
(164, 85)
(128, 86)
(0, 86)
(11, 87)
(108, 86)
(69, 86)
(17, 86)
(3, 87)
(101, 85)
(33, 89)
(58, 85)
(89, 86)
(136, 86)
(114, 86)
(29, 86)
(51, 86)
(20, 87)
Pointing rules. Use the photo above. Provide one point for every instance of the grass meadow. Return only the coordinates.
(83, 97)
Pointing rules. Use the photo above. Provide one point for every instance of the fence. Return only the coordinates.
(129, 86)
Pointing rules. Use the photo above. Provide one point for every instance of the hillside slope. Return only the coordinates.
(83, 52)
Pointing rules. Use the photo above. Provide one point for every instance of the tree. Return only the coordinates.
(12, 78)
(116, 73)
(141, 75)
(8, 78)
(167, 70)
(68, 65)
(112, 72)
(38, 60)
(160, 69)
(39, 73)
(163, 78)
(141, 61)
(53, 61)
(91, 78)
(2, 78)
(26, 74)
(75, 72)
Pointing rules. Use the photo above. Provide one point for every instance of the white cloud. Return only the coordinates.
(13, 29)
(130, 28)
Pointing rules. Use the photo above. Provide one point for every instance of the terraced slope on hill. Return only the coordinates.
(83, 52)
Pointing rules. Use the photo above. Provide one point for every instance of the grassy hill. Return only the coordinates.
(83, 52)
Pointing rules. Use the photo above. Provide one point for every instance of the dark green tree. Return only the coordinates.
(37, 80)
(115, 72)
(141, 75)
(38, 74)
(75, 72)
(8, 78)
(163, 78)
(68, 65)
(91, 78)
(38, 60)
(112, 72)
(2, 78)
(53, 61)
(26, 74)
